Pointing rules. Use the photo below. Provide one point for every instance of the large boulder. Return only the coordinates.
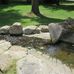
(16, 29)
(55, 31)
(4, 46)
(17, 52)
(68, 31)
(32, 65)
(62, 31)
(4, 30)
(41, 64)
(31, 30)
(5, 62)
(68, 37)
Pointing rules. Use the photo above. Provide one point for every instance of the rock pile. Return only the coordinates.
(38, 35)
(16, 29)
(30, 35)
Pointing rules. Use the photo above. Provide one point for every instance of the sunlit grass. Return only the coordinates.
(20, 13)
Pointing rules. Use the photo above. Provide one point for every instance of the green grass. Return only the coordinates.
(66, 57)
(19, 13)
(12, 69)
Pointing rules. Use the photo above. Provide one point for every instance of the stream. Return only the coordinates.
(63, 52)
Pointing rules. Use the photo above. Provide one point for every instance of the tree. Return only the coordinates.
(35, 7)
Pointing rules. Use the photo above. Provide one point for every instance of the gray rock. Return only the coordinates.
(12, 39)
(26, 40)
(68, 37)
(41, 64)
(4, 30)
(17, 52)
(16, 29)
(68, 31)
(39, 39)
(55, 31)
(68, 24)
(5, 62)
(43, 28)
(4, 46)
(31, 65)
(1, 37)
(31, 30)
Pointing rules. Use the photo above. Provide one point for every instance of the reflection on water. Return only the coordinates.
(53, 49)
(63, 52)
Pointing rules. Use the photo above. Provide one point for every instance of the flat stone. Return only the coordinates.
(27, 40)
(55, 31)
(4, 46)
(45, 36)
(17, 52)
(2, 41)
(40, 39)
(32, 64)
(5, 62)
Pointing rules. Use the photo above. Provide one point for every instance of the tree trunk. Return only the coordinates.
(35, 7)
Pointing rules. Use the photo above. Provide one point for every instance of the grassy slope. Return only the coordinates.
(19, 13)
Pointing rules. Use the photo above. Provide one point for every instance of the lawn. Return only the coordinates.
(20, 13)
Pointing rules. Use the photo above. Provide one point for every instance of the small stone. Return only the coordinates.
(4, 30)
(43, 28)
(31, 30)
(16, 29)
(31, 65)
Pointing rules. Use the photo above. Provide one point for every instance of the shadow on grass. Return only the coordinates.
(10, 16)
(60, 7)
